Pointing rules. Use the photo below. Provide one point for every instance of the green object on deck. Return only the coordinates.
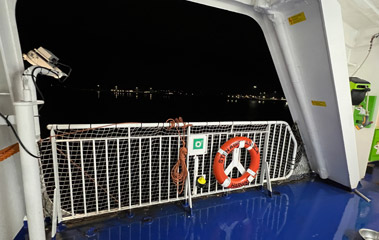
(371, 107)
(374, 153)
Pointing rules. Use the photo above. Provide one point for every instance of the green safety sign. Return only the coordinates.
(198, 143)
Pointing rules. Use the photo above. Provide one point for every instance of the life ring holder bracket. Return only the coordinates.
(265, 170)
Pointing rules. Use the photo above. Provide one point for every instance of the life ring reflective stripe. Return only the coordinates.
(221, 156)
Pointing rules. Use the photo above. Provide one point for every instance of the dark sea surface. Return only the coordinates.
(73, 107)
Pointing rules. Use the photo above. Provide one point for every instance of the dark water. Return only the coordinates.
(73, 106)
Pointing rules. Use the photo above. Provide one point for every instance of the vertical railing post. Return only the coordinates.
(195, 173)
(277, 149)
(283, 147)
(265, 170)
(83, 178)
(265, 150)
(129, 168)
(140, 169)
(118, 174)
(70, 178)
(54, 220)
(187, 161)
(150, 170)
(177, 181)
(95, 175)
(169, 169)
(56, 172)
(210, 164)
(219, 145)
(160, 169)
(187, 189)
(272, 144)
(260, 147)
(107, 174)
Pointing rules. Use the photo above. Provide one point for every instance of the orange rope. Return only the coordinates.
(177, 176)
(9, 151)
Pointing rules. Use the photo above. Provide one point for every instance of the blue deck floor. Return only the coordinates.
(307, 209)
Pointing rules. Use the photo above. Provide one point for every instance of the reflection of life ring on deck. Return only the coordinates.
(220, 159)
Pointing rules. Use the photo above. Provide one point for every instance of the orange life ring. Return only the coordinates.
(219, 161)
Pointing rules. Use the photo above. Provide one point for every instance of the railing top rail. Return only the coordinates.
(145, 137)
(136, 125)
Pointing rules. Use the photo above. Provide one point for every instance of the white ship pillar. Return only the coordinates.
(30, 169)
(306, 41)
(15, 104)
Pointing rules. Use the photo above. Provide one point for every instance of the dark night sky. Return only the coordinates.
(163, 44)
(157, 43)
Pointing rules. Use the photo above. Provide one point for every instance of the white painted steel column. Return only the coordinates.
(30, 170)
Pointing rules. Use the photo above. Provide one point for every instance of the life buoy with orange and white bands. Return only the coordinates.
(219, 161)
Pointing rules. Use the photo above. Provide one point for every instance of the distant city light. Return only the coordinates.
(150, 92)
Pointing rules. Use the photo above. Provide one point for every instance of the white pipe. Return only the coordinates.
(29, 92)
(30, 170)
(362, 196)
(29, 132)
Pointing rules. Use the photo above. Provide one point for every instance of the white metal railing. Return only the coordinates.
(106, 168)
